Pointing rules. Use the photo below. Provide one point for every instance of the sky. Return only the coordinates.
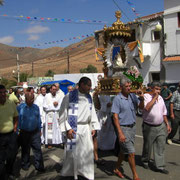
(49, 23)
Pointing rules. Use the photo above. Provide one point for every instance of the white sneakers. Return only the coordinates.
(169, 141)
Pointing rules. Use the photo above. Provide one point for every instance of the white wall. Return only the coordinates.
(151, 63)
(151, 50)
(172, 72)
(76, 77)
(171, 29)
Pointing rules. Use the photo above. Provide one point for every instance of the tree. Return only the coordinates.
(4, 81)
(22, 77)
(8, 83)
(90, 69)
(49, 73)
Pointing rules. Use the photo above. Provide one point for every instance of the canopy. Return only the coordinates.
(63, 84)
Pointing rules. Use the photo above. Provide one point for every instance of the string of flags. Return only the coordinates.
(133, 8)
(48, 19)
(77, 46)
(64, 40)
(65, 50)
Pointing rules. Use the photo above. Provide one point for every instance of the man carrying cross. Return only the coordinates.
(79, 121)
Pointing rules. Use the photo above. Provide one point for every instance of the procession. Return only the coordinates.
(76, 123)
(117, 118)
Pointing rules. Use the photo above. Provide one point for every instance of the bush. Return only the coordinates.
(90, 69)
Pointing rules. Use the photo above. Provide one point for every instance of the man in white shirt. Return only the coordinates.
(40, 102)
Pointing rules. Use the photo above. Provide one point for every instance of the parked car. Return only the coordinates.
(21, 87)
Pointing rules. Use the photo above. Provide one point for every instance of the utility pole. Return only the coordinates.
(32, 68)
(17, 62)
(68, 68)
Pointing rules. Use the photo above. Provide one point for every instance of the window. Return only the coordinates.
(178, 16)
(156, 35)
(154, 76)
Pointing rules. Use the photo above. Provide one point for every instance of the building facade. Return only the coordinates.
(172, 40)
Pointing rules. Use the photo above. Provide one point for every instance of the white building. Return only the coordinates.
(172, 41)
(148, 30)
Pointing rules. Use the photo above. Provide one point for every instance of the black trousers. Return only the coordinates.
(30, 140)
(175, 123)
(8, 146)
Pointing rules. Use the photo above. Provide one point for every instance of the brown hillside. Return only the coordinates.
(8, 54)
(56, 60)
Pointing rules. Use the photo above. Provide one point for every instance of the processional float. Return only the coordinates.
(116, 54)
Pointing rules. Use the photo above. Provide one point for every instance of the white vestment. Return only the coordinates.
(80, 159)
(106, 136)
(40, 103)
(53, 134)
(60, 93)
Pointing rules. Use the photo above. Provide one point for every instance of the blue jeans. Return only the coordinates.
(30, 140)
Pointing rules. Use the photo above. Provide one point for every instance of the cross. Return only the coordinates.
(71, 143)
(72, 106)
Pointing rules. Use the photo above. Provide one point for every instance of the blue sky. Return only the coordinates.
(23, 33)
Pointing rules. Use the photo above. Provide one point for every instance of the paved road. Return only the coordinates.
(53, 157)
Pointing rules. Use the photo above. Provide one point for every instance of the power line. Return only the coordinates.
(121, 10)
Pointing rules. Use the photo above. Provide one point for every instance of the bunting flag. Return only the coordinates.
(140, 52)
(48, 19)
(136, 44)
(132, 45)
(64, 40)
(64, 51)
(98, 53)
(133, 8)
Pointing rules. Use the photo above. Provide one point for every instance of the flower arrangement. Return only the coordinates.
(134, 75)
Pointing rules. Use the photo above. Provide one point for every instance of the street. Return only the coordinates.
(53, 158)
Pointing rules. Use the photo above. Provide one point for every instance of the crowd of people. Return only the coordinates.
(82, 122)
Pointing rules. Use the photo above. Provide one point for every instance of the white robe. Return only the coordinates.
(40, 102)
(53, 134)
(79, 160)
(106, 136)
(60, 93)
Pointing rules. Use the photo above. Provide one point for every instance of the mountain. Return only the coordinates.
(8, 54)
(80, 55)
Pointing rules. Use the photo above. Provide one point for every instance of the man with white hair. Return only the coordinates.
(70, 88)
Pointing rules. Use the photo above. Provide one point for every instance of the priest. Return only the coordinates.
(52, 104)
(79, 121)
